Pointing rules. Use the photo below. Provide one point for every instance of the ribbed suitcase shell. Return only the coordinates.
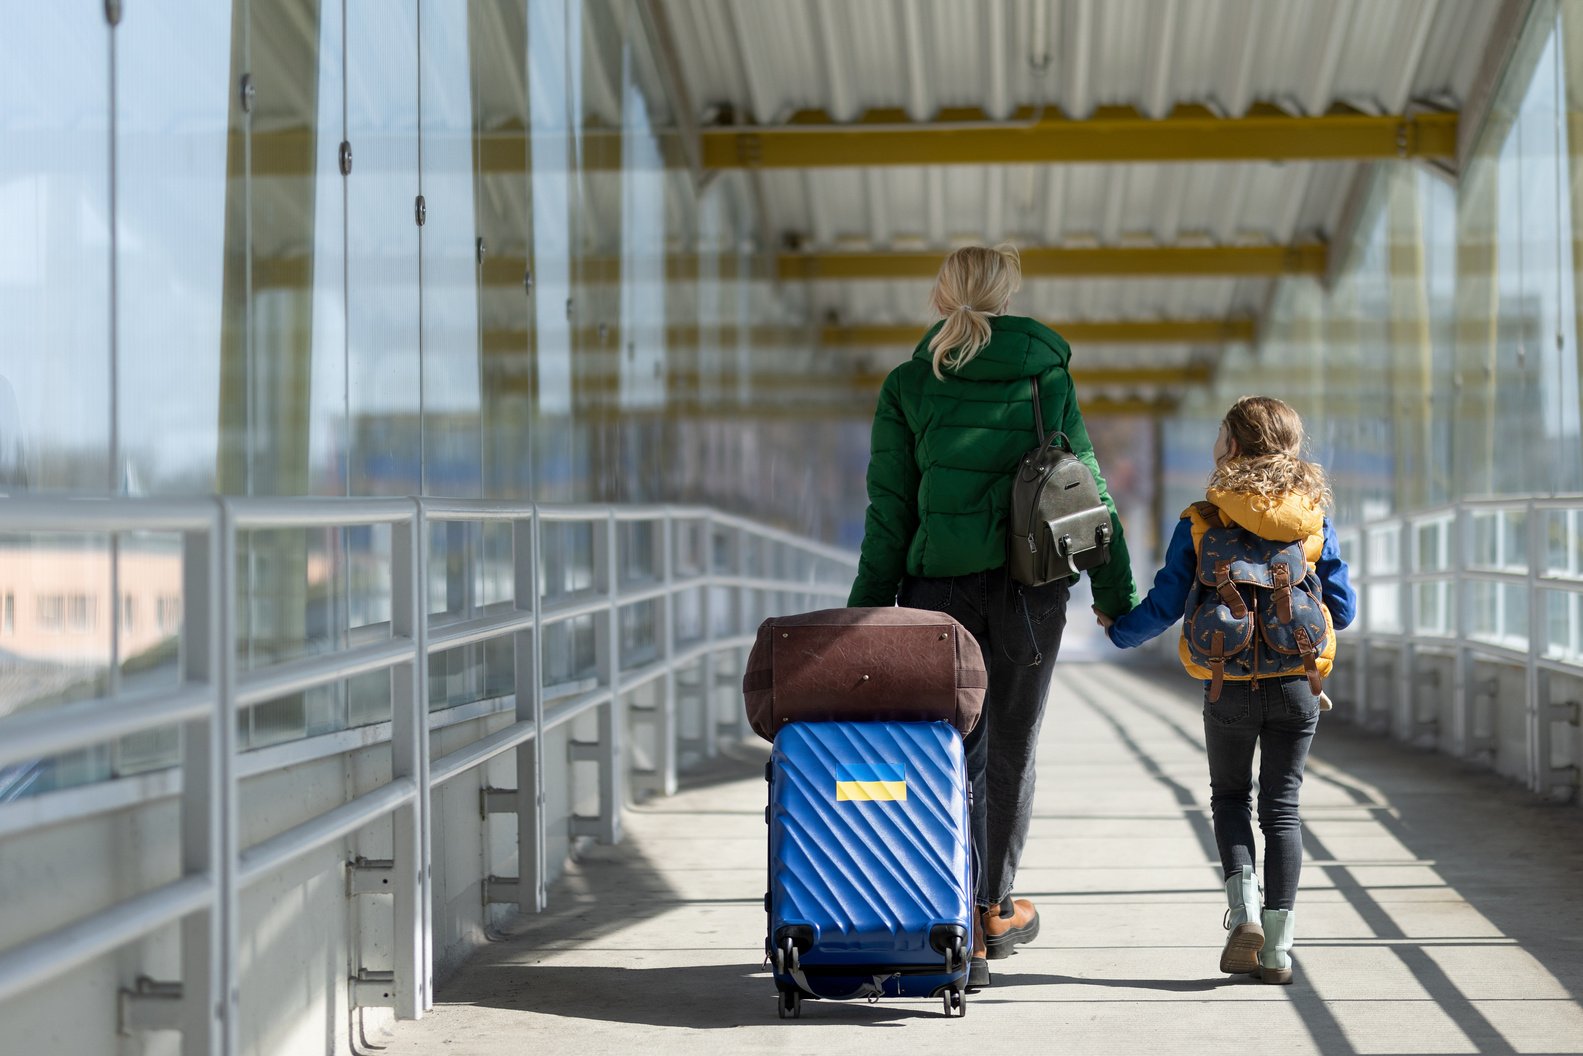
(872, 878)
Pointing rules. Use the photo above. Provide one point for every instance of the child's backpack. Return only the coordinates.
(1255, 605)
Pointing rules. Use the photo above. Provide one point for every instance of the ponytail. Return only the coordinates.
(974, 283)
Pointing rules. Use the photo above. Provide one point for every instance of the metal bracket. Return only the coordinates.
(499, 890)
(420, 210)
(584, 752)
(153, 1005)
(493, 800)
(248, 93)
(345, 157)
(370, 876)
(112, 12)
(373, 989)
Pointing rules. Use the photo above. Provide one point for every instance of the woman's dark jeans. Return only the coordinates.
(1013, 624)
(1278, 715)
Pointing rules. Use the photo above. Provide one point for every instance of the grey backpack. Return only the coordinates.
(1058, 525)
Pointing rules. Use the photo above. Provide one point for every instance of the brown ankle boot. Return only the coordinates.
(1002, 933)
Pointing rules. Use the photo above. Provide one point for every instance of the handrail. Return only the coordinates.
(1442, 598)
(210, 693)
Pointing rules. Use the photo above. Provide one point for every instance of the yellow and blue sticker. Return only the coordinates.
(870, 781)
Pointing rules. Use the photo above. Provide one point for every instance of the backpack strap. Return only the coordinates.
(1229, 594)
(1282, 578)
(1305, 645)
(1211, 514)
(1217, 665)
(1038, 414)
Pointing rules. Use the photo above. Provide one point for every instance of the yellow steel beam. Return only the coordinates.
(692, 407)
(838, 385)
(1118, 332)
(1037, 262)
(1051, 262)
(1111, 135)
(963, 136)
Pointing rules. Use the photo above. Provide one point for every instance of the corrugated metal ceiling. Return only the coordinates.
(761, 61)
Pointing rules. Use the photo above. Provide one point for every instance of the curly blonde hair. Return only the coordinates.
(1268, 462)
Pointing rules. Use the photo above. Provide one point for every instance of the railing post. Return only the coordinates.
(208, 802)
(607, 637)
(1537, 685)
(528, 649)
(408, 758)
(665, 713)
(1462, 719)
(1365, 628)
(1404, 716)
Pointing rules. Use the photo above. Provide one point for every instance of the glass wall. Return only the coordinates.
(1442, 363)
(356, 248)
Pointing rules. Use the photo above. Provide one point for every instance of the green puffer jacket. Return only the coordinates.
(940, 466)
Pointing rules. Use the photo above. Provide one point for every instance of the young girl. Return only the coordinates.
(1261, 485)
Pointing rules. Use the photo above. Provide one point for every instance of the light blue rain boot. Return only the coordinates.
(1275, 960)
(1244, 934)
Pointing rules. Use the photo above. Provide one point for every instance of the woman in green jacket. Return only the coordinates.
(952, 423)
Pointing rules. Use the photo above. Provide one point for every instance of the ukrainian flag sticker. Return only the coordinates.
(870, 781)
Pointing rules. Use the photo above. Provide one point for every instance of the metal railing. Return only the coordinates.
(1475, 588)
(212, 692)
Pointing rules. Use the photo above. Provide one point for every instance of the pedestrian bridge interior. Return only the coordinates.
(409, 411)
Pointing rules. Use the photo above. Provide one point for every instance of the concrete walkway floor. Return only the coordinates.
(1441, 912)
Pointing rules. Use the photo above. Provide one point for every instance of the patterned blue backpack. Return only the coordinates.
(1254, 605)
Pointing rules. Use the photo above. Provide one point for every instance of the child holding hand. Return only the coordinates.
(1259, 574)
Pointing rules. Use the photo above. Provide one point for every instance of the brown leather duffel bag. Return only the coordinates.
(863, 664)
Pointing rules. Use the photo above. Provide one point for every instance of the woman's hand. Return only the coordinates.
(1104, 621)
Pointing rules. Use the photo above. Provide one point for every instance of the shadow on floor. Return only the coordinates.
(1514, 859)
(703, 997)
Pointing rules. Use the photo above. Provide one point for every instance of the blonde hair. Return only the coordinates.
(1269, 462)
(975, 282)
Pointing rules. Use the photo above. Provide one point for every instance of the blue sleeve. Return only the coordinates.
(1337, 588)
(1167, 598)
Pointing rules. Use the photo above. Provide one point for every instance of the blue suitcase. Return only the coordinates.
(870, 863)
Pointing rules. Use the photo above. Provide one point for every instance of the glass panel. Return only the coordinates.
(55, 394)
(500, 86)
(1385, 550)
(452, 455)
(1486, 540)
(1564, 543)
(171, 167)
(1563, 626)
(570, 661)
(283, 375)
(1433, 550)
(384, 396)
(55, 646)
(640, 633)
(554, 58)
(1383, 608)
(1432, 609)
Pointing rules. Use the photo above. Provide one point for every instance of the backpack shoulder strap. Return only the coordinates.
(1211, 514)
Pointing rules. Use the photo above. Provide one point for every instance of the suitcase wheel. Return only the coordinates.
(789, 1004)
(955, 1003)
(788, 958)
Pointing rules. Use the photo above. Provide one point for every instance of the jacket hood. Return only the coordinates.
(1018, 347)
(1286, 519)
